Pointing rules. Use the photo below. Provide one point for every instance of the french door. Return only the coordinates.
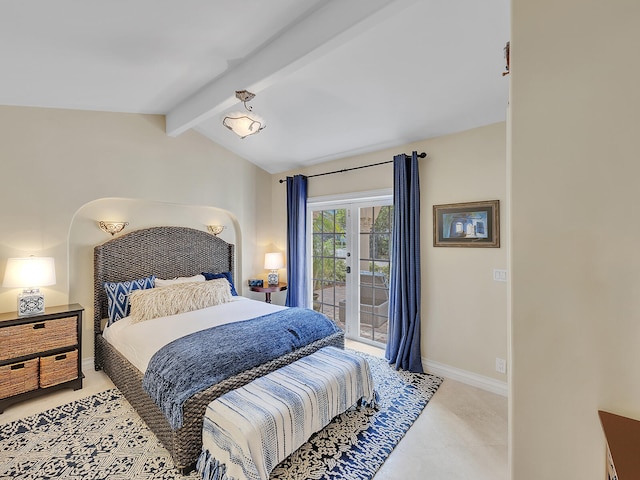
(350, 256)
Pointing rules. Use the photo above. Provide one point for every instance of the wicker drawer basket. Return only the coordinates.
(18, 378)
(58, 368)
(30, 338)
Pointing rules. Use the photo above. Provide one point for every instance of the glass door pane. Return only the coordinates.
(329, 269)
(375, 244)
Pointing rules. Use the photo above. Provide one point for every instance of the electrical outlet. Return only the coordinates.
(501, 365)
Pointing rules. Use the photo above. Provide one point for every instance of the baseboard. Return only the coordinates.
(87, 363)
(464, 376)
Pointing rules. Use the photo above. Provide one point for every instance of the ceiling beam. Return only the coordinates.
(331, 25)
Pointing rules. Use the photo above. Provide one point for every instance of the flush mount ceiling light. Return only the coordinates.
(246, 123)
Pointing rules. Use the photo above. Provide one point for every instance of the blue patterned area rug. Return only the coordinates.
(101, 437)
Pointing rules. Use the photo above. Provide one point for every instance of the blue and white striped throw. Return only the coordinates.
(248, 431)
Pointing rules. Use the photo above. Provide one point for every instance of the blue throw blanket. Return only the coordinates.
(197, 361)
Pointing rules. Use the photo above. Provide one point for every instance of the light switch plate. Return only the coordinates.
(499, 275)
(501, 365)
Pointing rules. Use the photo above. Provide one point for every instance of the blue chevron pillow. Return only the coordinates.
(118, 296)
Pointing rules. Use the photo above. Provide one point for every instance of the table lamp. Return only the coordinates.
(30, 273)
(273, 261)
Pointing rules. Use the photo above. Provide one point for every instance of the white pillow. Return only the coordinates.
(159, 282)
(178, 298)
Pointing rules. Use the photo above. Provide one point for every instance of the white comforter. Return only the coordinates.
(138, 342)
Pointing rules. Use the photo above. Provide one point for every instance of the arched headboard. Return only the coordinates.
(166, 252)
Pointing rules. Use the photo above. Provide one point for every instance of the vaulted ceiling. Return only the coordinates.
(332, 78)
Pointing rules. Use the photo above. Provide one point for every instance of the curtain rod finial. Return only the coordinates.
(419, 155)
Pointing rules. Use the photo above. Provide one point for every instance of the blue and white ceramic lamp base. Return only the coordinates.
(30, 302)
(272, 278)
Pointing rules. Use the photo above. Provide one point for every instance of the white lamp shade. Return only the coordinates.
(273, 261)
(243, 124)
(29, 272)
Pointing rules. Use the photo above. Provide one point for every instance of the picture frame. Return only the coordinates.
(471, 224)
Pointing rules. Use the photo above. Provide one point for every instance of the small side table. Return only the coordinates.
(268, 289)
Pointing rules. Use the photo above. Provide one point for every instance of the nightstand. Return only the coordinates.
(268, 289)
(40, 353)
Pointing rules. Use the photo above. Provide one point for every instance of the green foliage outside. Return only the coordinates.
(380, 241)
(329, 227)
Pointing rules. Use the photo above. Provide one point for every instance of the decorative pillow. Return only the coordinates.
(178, 298)
(174, 281)
(227, 275)
(118, 296)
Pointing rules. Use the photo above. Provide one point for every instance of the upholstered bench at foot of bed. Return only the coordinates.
(248, 431)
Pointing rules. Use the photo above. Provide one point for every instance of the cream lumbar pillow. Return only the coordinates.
(159, 282)
(178, 298)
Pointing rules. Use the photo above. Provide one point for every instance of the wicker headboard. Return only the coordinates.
(165, 252)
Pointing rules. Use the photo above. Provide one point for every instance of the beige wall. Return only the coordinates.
(63, 170)
(575, 261)
(464, 312)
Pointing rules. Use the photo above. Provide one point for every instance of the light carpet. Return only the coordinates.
(102, 437)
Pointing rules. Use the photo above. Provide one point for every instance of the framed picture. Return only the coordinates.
(473, 224)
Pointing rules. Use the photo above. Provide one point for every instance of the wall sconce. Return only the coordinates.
(215, 229)
(246, 123)
(273, 261)
(30, 273)
(112, 227)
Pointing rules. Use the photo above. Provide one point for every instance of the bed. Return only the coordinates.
(170, 252)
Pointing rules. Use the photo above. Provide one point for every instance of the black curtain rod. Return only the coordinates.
(420, 155)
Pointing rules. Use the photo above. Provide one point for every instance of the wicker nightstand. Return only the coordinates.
(40, 353)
